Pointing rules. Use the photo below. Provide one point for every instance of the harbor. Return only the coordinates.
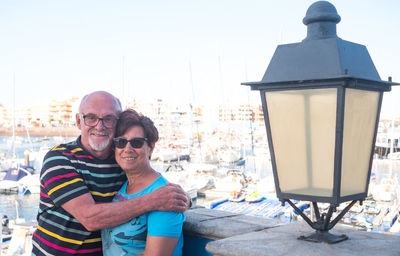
(229, 175)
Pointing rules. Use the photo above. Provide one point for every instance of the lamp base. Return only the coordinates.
(323, 236)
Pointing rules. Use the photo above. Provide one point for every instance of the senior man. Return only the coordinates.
(79, 180)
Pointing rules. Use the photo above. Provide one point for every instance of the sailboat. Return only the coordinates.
(18, 177)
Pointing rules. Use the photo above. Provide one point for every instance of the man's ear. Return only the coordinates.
(78, 121)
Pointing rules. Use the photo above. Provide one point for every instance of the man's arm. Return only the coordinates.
(103, 215)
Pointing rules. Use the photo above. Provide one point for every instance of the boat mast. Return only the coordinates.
(123, 98)
(224, 105)
(192, 109)
(13, 127)
(391, 146)
(251, 117)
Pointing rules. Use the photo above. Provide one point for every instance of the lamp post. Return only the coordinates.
(321, 101)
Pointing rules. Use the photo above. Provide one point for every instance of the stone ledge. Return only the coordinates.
(214, 224)
(283, 240)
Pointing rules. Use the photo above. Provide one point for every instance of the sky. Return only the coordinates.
(180, 51)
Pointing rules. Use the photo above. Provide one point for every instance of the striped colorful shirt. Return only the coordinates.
(70, 171)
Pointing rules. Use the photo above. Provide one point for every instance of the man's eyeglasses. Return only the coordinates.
(92, 120)
(135, 142)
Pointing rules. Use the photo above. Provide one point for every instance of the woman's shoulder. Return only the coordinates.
(154, 185)
(160, 181)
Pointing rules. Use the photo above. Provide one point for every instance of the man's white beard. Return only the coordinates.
(100, 146)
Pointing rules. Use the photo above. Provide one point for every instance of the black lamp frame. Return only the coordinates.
(323, 222)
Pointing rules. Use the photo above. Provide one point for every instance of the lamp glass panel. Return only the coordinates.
(303, 135)
(359, 127)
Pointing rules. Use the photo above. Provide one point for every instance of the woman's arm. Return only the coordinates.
(164, 231)
(160, 245)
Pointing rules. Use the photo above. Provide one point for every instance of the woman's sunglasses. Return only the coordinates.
(135, 142)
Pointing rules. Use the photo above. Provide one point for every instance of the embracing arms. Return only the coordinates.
(102, 215)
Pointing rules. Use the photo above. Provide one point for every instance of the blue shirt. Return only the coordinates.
(130, 238)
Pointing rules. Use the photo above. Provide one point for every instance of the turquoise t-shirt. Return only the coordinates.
(130, 238)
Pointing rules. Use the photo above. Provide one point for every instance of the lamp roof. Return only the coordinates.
(321, 55)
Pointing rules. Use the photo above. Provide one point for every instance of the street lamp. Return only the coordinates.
(321, 101)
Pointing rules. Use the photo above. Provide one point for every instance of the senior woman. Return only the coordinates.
(153, 233)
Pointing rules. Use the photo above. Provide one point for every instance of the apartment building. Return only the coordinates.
(57, 113)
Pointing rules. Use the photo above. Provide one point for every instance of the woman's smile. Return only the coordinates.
(128, 158)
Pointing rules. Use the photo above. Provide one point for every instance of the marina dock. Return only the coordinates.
(68, 131)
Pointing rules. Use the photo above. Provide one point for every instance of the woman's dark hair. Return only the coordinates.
(129, 118)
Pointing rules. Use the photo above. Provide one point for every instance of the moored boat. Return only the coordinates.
(11, 181)
(390, 218)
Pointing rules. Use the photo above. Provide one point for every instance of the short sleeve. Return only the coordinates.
(60, 180)
(165, 224)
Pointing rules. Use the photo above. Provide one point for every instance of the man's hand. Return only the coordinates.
(169, 198)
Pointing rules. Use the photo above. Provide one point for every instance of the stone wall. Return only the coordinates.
(212, 232)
